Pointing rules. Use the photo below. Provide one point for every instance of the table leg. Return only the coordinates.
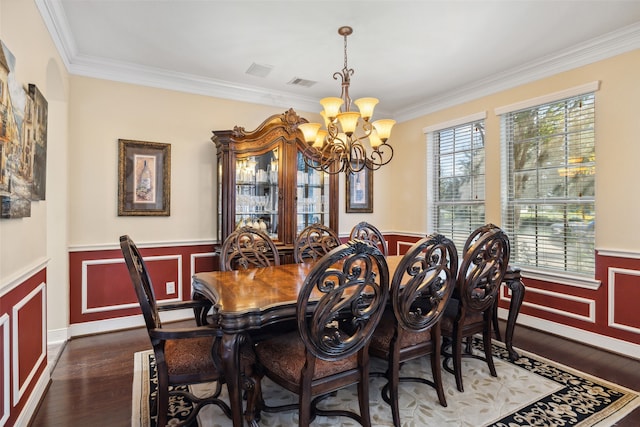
(513, 280)
(231, 362)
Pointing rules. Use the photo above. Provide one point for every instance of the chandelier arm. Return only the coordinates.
(358, 154)
(325, 159)
(378, 156)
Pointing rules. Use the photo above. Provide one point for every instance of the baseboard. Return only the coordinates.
(610, 344)
(31, 405)
(57, 336)
(110, 325)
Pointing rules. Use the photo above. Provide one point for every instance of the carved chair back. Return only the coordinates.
(423, 282)
(350, 284)
(369, 233)
(246, 248)
(314, 242)
(484, 264)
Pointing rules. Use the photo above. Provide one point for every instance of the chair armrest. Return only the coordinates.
(184, 333)
(184, 304)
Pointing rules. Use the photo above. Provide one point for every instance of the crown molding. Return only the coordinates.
(55, 20)
(615, 43)
(611, 44)
(187, 83)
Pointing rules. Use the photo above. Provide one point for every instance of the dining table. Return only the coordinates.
(248, 300)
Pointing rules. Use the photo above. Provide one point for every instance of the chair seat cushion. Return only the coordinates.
(381, 338)
(186, 357)
(284, 356)
(189, 356)
(472, 317)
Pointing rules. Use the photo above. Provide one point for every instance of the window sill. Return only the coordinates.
(562, 279)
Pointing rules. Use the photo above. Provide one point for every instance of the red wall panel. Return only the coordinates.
(100, 287)
(108, 284)
(5, 373)
(25, 328)
(30, 333)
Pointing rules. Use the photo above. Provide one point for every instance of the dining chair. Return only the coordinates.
(248, 247)
(420, 289)
(185, 355)
(470, 310)
(313, 242)
(348, 286)
(369, 233)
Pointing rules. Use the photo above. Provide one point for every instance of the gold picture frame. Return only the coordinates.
(359, 191)
(144, 178)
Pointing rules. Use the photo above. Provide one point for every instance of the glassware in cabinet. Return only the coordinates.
(312, 195)
(257, 192)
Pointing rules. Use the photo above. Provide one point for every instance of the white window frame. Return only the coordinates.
(432, 167)
(566, 278)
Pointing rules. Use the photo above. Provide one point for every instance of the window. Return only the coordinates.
(549, 199)
(457, 180)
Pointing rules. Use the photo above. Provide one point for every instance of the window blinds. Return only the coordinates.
(459, 170)
(550, 173)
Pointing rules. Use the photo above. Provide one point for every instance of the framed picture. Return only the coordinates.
(360, 191)
(144, 178)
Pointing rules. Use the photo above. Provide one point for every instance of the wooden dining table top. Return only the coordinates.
(252, 298)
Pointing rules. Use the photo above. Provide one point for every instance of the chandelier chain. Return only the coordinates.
(345, 52)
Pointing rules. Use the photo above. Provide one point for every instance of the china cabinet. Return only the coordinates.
(265, 181)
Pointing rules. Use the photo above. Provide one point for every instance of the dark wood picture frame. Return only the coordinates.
(144, 178)
(359, 191)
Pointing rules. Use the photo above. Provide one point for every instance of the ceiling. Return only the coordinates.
(415, 56)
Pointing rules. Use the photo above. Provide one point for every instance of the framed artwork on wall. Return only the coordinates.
(359, 191)
(144, 178)
(23, 141)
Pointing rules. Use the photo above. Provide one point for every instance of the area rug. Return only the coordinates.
(532, 391)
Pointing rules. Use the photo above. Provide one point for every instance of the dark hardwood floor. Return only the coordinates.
(91, 383)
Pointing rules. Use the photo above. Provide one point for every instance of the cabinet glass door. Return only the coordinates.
(219, 203)
(257, 192)
(312, 191)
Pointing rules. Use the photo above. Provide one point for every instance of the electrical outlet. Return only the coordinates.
(171, 288)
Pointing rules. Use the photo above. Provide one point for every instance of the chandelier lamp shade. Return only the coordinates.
(350, 141)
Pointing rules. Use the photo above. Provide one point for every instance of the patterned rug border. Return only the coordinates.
(575, 387)
(556, 402)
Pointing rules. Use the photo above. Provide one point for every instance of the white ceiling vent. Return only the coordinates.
(297, 81)
(259, 70)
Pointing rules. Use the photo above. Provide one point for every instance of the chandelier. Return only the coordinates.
(349, 142)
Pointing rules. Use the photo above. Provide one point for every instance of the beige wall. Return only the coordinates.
(103, 111)
(40, 239)
(617, 148)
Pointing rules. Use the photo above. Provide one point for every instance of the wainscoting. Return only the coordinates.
(101, 295)
(102, 299)
(601, 314)
(23, 345)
